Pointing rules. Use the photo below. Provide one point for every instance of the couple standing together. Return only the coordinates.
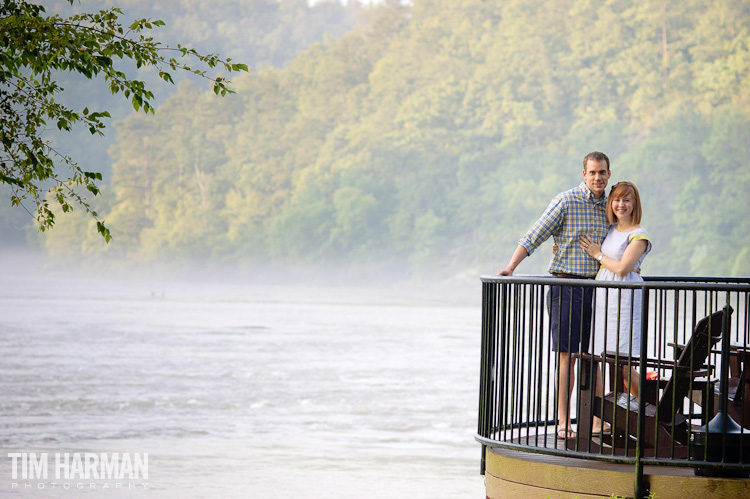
(597, 237)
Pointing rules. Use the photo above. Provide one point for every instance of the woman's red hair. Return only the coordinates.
(619, 190)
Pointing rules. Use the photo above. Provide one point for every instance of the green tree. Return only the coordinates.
(436, 134)
(34, 47)
(712, 229)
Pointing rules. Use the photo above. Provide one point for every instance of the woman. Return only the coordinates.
(617, 318)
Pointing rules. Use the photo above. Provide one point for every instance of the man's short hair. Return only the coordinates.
(596, 156)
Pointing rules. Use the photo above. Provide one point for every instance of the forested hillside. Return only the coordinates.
(431, 136)
(260, 33)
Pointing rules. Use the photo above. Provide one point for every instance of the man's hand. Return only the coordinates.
(517, 258)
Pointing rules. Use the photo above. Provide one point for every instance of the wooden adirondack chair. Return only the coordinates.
(667, 430)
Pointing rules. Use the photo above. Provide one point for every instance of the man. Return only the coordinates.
(572, 213)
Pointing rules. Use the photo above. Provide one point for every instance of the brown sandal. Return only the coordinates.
(564, 434)
(598, 431)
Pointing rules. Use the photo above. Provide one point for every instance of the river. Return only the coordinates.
(236, 389)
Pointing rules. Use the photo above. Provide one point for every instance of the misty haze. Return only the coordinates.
(289, 305)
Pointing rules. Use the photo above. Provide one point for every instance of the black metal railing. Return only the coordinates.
(664, 376)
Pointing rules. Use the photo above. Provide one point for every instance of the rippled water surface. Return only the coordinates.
(240, 390)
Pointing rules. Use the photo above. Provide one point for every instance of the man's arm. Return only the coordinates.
(515, 261)
(552, 218)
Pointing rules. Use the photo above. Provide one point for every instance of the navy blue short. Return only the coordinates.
(570, 317)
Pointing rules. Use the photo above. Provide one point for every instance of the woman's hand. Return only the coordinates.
(589, 246)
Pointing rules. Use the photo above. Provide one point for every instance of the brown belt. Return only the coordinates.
(569, 276)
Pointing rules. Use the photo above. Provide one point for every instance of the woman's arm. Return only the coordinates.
(620, 267)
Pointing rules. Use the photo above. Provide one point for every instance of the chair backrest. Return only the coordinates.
(706, 334)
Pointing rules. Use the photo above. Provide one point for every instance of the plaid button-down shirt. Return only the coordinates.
(570, 214)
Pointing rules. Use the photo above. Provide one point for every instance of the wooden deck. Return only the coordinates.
(514, 474)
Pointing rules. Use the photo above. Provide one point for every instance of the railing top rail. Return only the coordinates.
(670, 278)
(740, 284)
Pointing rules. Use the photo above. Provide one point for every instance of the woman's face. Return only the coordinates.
(622, 206)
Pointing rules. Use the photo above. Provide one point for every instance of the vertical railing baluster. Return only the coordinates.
(503, 352)
(724, 399)
(641, 487)
(579, 365)
(514, 348)
(530, 365)
(745, 419)
(547, 383)
(539, 334)
(591, 374)
(488, 409)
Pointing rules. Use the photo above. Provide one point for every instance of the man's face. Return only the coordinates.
(596, 175)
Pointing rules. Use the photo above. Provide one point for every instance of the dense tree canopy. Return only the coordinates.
(433, 134)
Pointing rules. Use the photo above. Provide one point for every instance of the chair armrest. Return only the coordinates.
(587, 356)
(615, 358)
(678, 348)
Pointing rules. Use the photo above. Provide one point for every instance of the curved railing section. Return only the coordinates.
(664, 379)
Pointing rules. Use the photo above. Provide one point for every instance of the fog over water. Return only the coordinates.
(240, 389)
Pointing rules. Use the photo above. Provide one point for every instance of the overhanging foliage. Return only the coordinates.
(34, 49)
